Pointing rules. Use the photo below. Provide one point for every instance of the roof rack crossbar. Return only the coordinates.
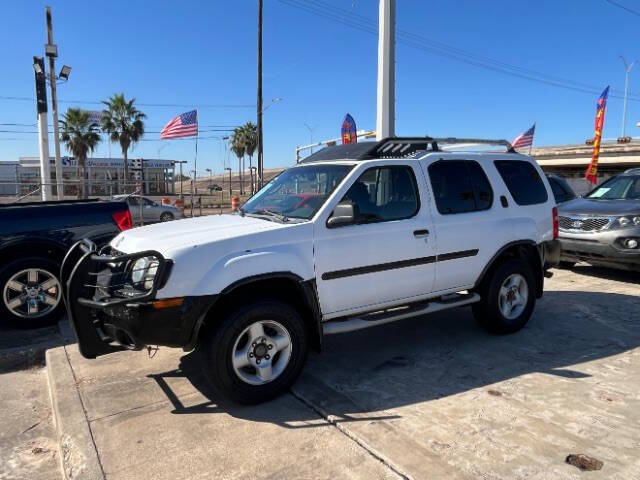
(475, 141)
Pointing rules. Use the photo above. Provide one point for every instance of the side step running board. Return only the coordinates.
(399, 313)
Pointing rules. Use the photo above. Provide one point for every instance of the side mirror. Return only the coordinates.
(343, 214)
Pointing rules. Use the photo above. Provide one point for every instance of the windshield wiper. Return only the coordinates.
(268, 213)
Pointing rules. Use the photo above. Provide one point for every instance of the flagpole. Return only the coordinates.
(195, 175)
(534, 130)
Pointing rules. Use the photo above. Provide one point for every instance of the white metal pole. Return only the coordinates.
(385, 116)
(45, 167)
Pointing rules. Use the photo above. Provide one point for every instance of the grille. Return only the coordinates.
(582, 224)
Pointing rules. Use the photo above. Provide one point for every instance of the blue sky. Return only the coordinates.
(203, 53)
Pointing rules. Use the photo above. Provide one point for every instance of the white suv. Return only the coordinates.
(353, 237)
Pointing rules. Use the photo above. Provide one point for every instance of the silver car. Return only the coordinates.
(603, 227)
(148, 210)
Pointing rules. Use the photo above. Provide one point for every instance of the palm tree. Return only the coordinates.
(81, 137)
(250, 136)
(238, 147)
(123, 122)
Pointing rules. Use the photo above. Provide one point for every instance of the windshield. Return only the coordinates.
(624, 187)
(298, 192)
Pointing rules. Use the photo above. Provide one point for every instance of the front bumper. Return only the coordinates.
(109, 316)
(604, 248)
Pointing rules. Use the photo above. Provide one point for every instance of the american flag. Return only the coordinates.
(185, 125)
(524, 139)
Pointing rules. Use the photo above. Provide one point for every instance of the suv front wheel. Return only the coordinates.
(256, 353)
(508, 298)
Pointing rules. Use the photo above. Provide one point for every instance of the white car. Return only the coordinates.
(353, 237)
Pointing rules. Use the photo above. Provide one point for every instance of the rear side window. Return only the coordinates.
(460, 186)
(522, 180)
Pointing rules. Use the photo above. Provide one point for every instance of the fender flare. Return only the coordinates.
(310, 299)
(538, 268)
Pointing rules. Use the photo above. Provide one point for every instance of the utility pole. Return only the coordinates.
(259, 102)
(385, 116)
(627, 69)
(52, 52)
(41, 104)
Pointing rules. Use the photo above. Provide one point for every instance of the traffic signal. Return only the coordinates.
(41, 84)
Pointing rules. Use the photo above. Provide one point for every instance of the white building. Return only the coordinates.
(105, 176)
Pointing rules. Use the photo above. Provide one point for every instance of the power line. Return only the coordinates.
(180, 105)
(623, 7)
(359, 22)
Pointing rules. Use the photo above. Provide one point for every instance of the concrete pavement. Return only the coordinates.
(422, 398)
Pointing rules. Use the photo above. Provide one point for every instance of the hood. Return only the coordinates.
(191, 232)
(598, 207)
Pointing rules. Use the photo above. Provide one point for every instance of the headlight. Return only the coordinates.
(624, 221)
(143, 272)
(636, 221)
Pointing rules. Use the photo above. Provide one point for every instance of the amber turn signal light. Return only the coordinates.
(168, 302)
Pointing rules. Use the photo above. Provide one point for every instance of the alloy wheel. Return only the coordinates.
(31, 293)
(261, 352)
(513, 296)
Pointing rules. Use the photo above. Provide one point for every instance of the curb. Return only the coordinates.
(78, 454)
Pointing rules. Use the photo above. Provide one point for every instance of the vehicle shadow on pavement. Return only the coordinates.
(423, 359)
(21, 349)
(607, 273)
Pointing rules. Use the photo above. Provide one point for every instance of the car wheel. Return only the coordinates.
(256, 353)
(567, 265)
(166, 217)
(31, 293)
(508, 298)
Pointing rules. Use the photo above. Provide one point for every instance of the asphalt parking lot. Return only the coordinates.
(426, 398)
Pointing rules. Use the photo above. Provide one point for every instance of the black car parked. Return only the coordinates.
(34, 237)
(561, 189)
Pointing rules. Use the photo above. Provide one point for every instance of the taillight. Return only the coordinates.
(123, 219)
(555, 222)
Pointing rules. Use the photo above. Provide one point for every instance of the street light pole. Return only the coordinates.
(627, 69)
(230, 192)
(52, 53)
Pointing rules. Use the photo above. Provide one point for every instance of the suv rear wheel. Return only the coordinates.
(508, 298)
(31, 293)
(256, 353)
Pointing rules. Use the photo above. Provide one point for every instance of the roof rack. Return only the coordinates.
(394, 147)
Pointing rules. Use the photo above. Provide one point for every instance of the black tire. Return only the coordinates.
(166, 217)
(567, 265)
(487, 311)
(216, 347)
(7, 316)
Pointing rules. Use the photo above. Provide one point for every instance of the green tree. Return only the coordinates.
(238, 147)
(124, 124)
(80, 137)
(250, 139)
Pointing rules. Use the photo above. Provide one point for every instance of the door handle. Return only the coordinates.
(421, 233)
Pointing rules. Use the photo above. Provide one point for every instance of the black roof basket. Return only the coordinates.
(395, 147)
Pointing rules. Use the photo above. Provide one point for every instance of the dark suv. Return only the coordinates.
(603, 227)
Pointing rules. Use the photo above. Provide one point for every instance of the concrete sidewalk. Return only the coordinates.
(432, 398)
